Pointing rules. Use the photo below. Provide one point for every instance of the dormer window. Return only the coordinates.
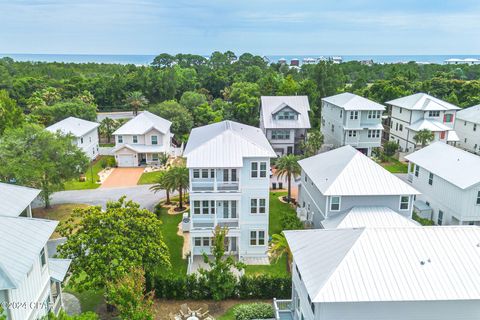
(434, 114)
(286, 115)
(154, 140)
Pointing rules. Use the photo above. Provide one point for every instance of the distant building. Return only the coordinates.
(419, 111)
(282, 61)
(310, 61)
(449, 181)
(469, 61)
(284, 120)
(336, 59)
(348, 119)
(295, 62)
(467, 126)
(85, 134)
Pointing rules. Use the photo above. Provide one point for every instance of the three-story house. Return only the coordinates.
(229, 166)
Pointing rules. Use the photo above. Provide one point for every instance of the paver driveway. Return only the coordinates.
(122, 177)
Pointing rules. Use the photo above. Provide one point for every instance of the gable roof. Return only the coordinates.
(422, 101)
(143, 123)
(225, 144)
(350, 101)
(432, 125)
(471, 114)
(75, 126)
(22, 241)
(14, 199)
(459, 167)
(388, 264)
(347, 171)
(372, 217)
(271, 105)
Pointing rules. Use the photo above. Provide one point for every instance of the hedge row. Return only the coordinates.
(196, 288)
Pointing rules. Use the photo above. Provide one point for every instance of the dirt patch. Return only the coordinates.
(59, 212)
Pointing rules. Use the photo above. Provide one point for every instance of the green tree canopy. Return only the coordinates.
(424, 137)
(49, 115)
(11, 115)
(182, 121)
(287, 166)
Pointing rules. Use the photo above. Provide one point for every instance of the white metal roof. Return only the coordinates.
(225, 144)
(143, 123)
(350, 101)
(22, 239)
(471, 114)
(452, 164)
(14, 199)
(422, 101)
(75, 126)
(374, 216)
(270, 105)
(58, 268)
(389, 264)
(432, 125)
(347, 171)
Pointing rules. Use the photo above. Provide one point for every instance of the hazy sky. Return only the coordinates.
(262, 26)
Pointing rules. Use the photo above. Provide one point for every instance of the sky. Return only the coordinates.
(265, 27)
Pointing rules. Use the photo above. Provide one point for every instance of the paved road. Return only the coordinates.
(141, 194)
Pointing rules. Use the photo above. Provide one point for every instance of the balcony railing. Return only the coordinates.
(212, 185)
(211, 222)
(283, 309)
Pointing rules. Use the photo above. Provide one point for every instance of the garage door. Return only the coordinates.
(125, 160)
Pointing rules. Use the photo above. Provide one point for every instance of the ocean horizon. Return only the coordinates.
(147, 59)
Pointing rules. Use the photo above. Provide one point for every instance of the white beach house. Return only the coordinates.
(85, 134)
(284, 120)
(348, 119)
(421, 273)
(141, 140)
(419, 111)
(30, 281)
(449, 180)
(336, 182)
(16, 200)
(467, 126)
(229, 166)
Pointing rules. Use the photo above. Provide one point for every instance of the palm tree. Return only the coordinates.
(136, 100)
(279, 248)
(162, 184)
(177, 178)
(107, 127)
(287, 166)
(424, 137)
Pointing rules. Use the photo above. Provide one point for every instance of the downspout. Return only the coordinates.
(327, 200)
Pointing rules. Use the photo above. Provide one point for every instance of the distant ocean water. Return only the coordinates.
(147, 59)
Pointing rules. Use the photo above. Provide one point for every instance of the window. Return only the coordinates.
(373, 133)
(198, 241)
(281, 134)
(434, 113)
(257, 238)
(448, 118)
(335, 203)
(341, 113)
(254, 169)
(263, 169)
(430, 179)
(478, 198)
(352, 133)
(305, 178)
(135, 139)
(440, 217)
(90, 139)
(206, 241)
(154, 140)
(400, 127)
(43, 258)
(404, 202)
(353, 115)
(333, 128)
(465, 140)
(257, 206)
(474, 127)
(204, 207)
(196, 173)
(81, 140)
(396, 126)
(120, 139)
(374, 114)
(464, 123)
(258, 169)
(417, 170)
(154, 156)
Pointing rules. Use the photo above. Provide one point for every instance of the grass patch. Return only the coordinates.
(149, 177)
(173, 241)
(277, 211)
(92, 170)
(395, 166)
(89, 300)
(278, 268)
(229, 315)
(107, 145)
(422, 221)
(59, 212)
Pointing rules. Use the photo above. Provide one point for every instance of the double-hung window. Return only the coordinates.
(135, 139)
(43, 258)
(404, 202)
(353, 115)
(257, 238)
(430, 179)
(196, 173)
(434, 113)
(120, 139)
(258, 206)
(204, 207)
(474, 127)
(478, 197)
(440, 217)
(258, 169)
(352, 133)
(417, 170)
(334, 203)
(154, 156)
(154, 140)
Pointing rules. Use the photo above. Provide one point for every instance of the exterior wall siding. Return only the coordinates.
(469, 138)
(90, 144)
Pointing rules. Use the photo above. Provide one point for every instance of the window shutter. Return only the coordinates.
(444, 118)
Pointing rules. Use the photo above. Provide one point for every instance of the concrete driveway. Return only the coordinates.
(122, 177)
(99, 197)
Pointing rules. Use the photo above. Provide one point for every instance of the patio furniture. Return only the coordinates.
(184, 310)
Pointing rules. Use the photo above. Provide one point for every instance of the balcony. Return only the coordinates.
(283, 309)
(211, 185)
(210, 222)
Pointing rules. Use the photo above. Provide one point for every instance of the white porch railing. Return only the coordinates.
(283, 309)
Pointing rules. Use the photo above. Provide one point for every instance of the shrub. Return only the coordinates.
(103, 163)
(390, 147)
(291, 222)
(111, 162)
(253, 311)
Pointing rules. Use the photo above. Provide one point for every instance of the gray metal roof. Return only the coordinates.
(431, 125)
(347, 171)
(350, 101)
(143, 123)
(388, 264)
(422, 101)
(471, 114)
(271, 105)
(225, 144)
(373, 216)
(58, 268)
(75, 126)
(22, 239)
(14, 199)
(461, 168)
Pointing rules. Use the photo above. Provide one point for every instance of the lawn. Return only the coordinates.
(395, 166)
(94, 168)
(173, 241)
(59, 212)
(278, 268)
(89, 300)
(149, 177)
(107, 145)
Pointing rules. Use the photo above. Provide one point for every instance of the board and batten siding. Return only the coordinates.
(469, 138)
(311, 197)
